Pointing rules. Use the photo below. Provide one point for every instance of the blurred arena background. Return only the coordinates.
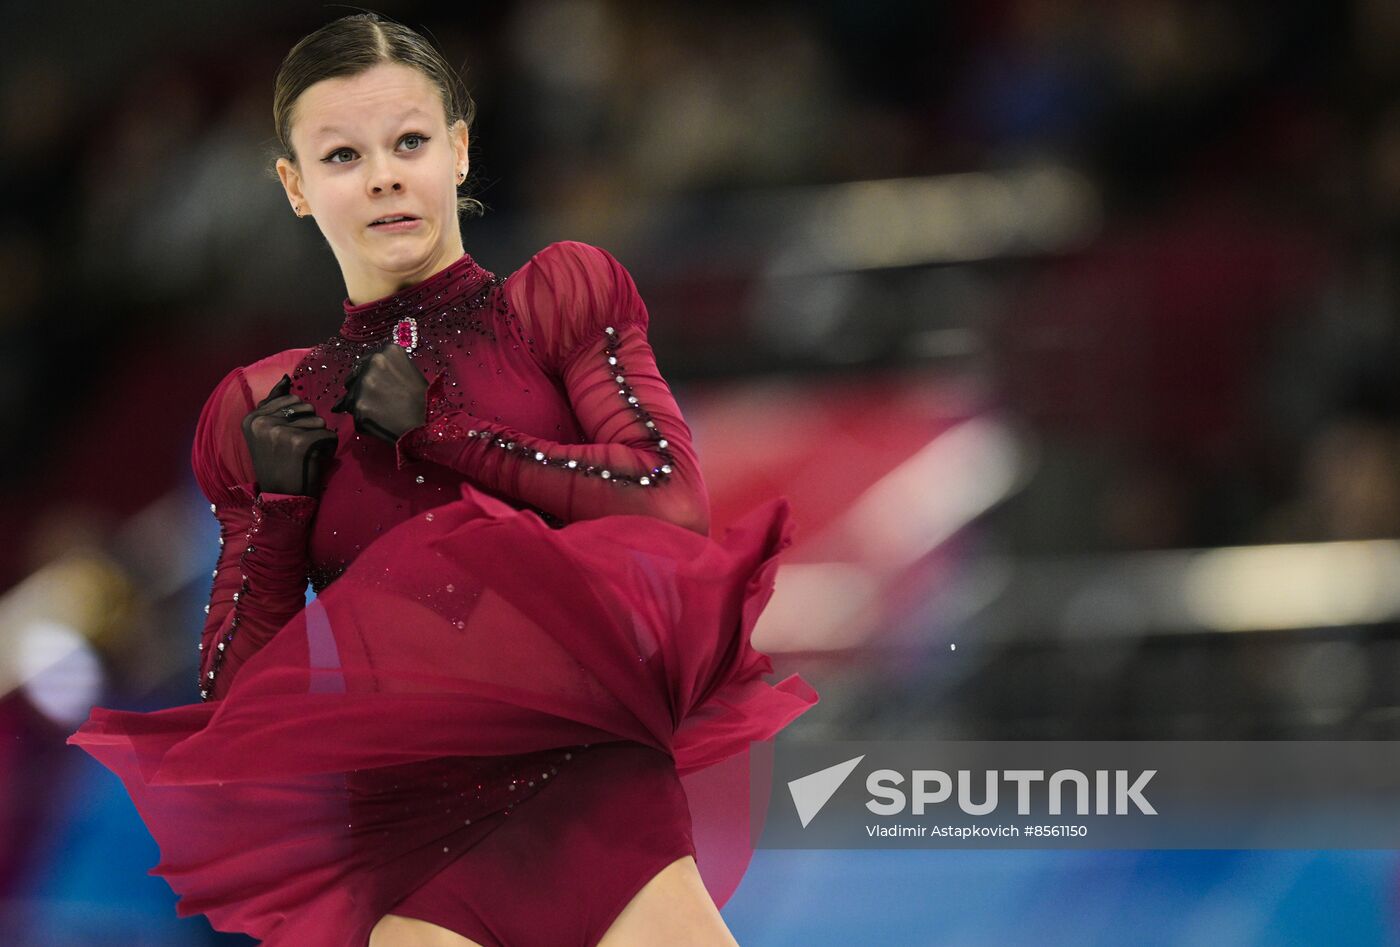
(1069, 329)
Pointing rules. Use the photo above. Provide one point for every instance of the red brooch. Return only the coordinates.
(406, 333)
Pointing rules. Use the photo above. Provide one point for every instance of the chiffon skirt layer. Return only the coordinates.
(443, 680)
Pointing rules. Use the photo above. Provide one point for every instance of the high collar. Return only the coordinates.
(453, 283)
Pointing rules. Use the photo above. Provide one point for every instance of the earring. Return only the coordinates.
(298, 210)
(461, 176)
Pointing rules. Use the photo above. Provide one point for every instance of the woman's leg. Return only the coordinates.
(396, 931)
(673, 908)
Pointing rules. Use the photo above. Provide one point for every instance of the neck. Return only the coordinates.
(374, 283)
(449, 286)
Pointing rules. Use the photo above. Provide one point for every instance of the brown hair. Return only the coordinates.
(352, 45)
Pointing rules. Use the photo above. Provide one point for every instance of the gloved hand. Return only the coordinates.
(385, 393)
(289, 442)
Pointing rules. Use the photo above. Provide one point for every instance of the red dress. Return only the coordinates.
(526, 683)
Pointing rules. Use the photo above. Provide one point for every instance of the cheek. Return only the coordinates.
(440, 187)
(437, 177)
(343, 198)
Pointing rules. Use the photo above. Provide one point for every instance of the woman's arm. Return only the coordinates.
(581, 311)
(260, 581)
(259, 585)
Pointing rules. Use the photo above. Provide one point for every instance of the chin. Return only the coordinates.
(399, 247)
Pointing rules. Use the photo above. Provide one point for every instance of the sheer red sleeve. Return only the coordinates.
(260, 581)
(589, 327)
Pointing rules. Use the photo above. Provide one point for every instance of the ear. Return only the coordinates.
(457, 134)
(291, 183)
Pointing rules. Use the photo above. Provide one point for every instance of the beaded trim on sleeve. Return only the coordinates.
(299, 509)
(441, 427)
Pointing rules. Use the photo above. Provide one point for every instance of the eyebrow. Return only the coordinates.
(331, 129)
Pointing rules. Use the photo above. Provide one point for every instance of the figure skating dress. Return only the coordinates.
(526, 682)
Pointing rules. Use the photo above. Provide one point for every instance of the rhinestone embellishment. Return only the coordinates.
(206, 686)
(406, 333)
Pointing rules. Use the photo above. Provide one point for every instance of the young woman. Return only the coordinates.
(521, 707)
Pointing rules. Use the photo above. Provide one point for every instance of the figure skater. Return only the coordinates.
(521, 708)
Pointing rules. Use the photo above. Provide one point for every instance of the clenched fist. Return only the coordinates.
(385, 393)
(289, 442)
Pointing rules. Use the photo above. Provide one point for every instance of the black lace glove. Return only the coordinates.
(385, 393)
(289, 442)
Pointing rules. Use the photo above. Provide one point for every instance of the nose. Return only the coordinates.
(383, 177)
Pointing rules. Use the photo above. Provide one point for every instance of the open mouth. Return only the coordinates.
(395, 220)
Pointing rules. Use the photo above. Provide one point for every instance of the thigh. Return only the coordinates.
(396, 931)
(673, 908)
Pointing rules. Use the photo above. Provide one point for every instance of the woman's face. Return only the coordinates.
(373, 145)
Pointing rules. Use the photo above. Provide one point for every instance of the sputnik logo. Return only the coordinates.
(813, 791)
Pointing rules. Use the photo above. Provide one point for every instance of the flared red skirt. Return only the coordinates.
(430, 695)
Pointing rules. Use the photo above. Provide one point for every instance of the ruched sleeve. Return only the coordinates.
(260, 581)
(589, 325)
